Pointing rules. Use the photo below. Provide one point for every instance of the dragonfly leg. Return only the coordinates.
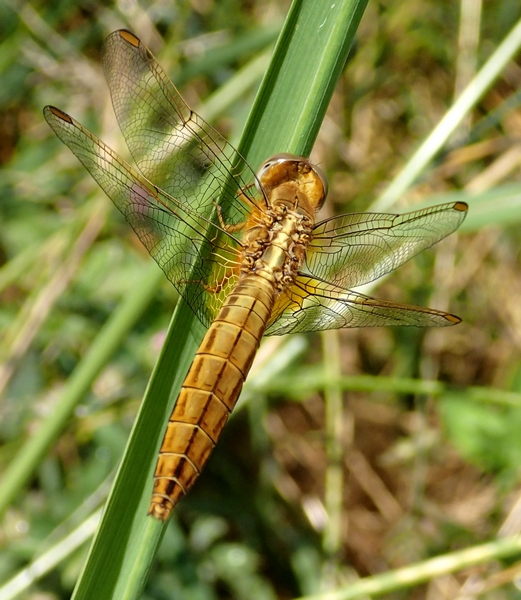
(224, 226)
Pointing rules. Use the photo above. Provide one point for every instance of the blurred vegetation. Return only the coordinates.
(425, 472)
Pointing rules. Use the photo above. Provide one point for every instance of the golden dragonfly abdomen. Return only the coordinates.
(210, 392)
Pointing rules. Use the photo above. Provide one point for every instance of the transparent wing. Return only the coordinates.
(357, 248)
(170, 230)
(171, 145)
(314, 305)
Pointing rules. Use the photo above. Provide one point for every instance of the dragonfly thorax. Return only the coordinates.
(275, 249)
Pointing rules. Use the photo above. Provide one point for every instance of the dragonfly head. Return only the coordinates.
(289, 168)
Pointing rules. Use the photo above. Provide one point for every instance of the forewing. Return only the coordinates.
(357, 248)
(174, 236)
(314, 305)
(171, 145)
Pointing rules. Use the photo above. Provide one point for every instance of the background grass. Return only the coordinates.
(426, 471)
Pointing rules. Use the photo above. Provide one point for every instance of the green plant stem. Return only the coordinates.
(311, 380)
(424, 571)
(453, 117)
(334, 478)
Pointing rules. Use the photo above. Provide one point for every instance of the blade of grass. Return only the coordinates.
(214, 58)
(310, 380)
(335, 448)
(50, 559)
(286, 116)
(424, 571)
(453, 117)
(23, 465)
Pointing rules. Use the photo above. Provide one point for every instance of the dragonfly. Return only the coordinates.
(244, 249)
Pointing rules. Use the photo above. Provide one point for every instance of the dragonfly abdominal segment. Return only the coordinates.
(247, 263)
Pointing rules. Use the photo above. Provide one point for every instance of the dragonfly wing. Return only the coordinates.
(357, 248)
(171, 145)
(173, 236)
(314, 305)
